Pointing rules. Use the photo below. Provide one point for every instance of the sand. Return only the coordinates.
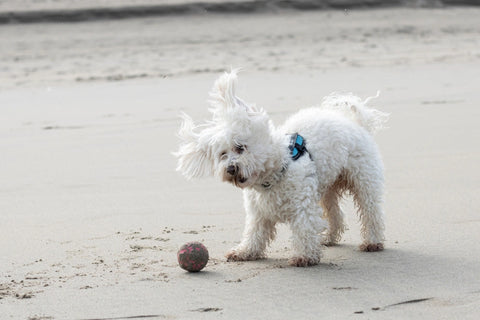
(93, 212)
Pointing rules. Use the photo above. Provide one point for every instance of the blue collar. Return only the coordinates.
(297, 146)
(297, 149)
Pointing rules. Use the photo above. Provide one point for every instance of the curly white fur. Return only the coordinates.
(240, 145)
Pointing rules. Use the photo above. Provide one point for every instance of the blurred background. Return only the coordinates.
(51, 42)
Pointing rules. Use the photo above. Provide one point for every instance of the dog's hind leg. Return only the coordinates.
(368, 195)
(333, 213)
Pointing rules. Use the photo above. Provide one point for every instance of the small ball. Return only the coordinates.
(192, 256)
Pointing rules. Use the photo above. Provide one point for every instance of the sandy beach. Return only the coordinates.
(92, 211)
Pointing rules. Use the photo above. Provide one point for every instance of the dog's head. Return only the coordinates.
(233, 145)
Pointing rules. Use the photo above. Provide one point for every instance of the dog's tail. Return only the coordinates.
(356, 109)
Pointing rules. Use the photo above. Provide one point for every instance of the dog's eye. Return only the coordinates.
(223, 155)
(239, 149)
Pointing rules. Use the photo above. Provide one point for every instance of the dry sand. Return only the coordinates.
(92, 211)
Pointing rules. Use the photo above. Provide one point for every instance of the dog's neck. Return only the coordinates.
(274, 173)
(276, 166)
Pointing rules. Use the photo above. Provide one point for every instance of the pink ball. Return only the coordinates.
(192, 256)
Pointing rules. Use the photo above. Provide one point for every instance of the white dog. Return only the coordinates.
(288, 174)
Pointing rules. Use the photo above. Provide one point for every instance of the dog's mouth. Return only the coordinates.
(241, 177)
(239, 180)
(245, 182)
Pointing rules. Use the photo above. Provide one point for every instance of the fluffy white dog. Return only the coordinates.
(293, 174)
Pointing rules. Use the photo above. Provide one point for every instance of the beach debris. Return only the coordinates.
(209, 309)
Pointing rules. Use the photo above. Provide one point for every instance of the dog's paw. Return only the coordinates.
(233, 256)
(237, 255)
(371, 247)
(303, 261)
(329, 243)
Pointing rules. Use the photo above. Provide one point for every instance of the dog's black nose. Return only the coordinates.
(231, 170)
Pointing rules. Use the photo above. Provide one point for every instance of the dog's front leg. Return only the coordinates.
(259, 231)
(307, 226)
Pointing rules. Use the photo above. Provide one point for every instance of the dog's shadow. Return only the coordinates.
(395, 265)
(345, 265)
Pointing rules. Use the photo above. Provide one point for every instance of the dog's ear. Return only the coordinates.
(194, 156)
(223, 95)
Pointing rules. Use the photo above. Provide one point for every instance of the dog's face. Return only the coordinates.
(233, 145)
